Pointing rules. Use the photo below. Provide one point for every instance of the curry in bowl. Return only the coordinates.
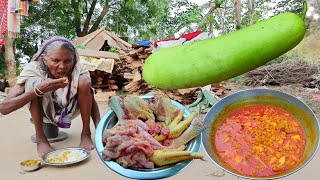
(260, 134)
(259, 140)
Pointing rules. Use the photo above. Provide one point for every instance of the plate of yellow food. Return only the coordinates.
(66, 156)
(30, 165)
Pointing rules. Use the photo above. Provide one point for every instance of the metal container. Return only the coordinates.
(109, 120)
(279, 99)
(27, 166)
(84, 155)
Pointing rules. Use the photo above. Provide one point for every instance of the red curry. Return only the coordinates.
(260, 140)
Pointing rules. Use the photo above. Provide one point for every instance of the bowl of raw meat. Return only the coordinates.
(148, 137)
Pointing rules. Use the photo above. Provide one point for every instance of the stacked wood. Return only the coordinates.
(127, 77)
(98, 54)
(100, 70)
(101, 79)
(121, 71)
(130, 68)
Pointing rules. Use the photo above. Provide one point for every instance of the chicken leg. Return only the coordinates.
(195, 128)
(170, 156)
(177, 127)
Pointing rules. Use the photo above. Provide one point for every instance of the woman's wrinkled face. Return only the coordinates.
(60, 62)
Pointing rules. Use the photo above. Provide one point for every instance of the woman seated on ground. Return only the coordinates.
(57, 88)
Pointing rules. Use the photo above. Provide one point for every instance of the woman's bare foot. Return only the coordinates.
(86, 142)
(43, 148)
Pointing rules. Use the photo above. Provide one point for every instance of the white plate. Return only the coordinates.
(84, 153)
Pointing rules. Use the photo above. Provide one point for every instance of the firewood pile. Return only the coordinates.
(112, 72)
(127, 77)
(122, 70)
(124, 74)
(132, 64)
(101, 70)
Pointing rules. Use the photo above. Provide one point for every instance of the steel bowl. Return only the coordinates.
(26, 166)
(279, 99)
(109, 120)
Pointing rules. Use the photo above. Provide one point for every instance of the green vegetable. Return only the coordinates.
(224, 57)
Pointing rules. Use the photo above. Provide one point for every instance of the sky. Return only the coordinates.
(199, 2)
(311, 13)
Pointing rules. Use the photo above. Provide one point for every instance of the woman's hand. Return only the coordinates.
(52, 84)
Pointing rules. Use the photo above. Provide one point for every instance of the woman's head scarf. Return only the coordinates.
(50, 41)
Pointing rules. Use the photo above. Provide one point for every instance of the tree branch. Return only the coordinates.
(89, 16)
(85, 10)
(77, 16)
(213, 7)
(104, 11)
(237, 4)
(251, 4)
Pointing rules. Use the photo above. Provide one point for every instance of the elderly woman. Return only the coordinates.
(57, 87)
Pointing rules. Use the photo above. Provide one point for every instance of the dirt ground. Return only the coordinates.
(16, 146)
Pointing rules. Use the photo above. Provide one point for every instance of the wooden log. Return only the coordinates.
(141, 49)
(99, 78)
(148, 50)
(111, 81)
(144, 56)
(98, 54)
(133, 53)
(133, 86)
(113, 86)
(98, 83)
(128, 75)
(129, 59)
(137, 76)
(136, 64)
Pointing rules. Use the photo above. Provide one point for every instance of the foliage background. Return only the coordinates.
(139, 19)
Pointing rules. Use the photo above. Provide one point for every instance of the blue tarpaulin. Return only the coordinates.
(143, 43)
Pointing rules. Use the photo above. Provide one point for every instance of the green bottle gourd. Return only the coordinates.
(224, 57)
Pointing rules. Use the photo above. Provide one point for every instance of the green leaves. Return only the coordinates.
(219, 2)
(137, 19)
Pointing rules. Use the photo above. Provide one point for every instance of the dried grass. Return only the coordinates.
(285, 73)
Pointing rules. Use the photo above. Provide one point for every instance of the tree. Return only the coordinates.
(138, 19)
(77, 16)
(253, 11)
(10, 60)
(237, 5)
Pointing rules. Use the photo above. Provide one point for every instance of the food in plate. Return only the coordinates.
(30, 162)
(66, 156)
(30, 165)
(149, 133)
(259, 140)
